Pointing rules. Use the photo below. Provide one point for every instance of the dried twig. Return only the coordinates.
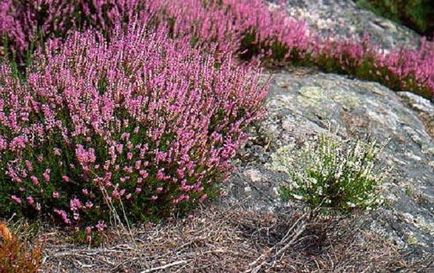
(164, 266)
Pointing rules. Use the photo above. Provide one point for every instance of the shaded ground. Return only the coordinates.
(417, 15)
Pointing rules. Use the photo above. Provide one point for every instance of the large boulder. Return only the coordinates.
(304, 103)
(344, 19)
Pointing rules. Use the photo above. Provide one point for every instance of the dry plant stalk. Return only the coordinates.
(15, 257)
(5, 234)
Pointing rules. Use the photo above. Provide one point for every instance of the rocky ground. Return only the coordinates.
(245, 230)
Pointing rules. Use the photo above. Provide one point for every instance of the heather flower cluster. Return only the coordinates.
(141, 123)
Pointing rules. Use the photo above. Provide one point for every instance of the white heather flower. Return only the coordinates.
(351, 205)
(298, 197)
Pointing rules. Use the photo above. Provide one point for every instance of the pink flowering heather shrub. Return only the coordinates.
(255, 31)
(25, 24)
(141, 123)
(412, 69)
(247, 28)
(401, 69)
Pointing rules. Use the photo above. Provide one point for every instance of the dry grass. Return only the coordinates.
(233, 240)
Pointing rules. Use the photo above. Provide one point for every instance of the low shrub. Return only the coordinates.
(400, 69)
(27, 25)
(331, 175)
(142, 125)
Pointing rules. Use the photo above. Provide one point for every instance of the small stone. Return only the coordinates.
(254, 175)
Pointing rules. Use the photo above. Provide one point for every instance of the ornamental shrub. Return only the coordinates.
(331, 175)
(92, 103)
(142, 124)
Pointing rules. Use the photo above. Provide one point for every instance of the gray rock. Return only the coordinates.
(344, 19)
(423, 107)
(303, 104)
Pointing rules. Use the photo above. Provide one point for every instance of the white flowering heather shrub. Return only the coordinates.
(331, 175)
(143, 123)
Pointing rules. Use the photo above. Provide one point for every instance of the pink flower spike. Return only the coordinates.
(30, 200)
(16, 199)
